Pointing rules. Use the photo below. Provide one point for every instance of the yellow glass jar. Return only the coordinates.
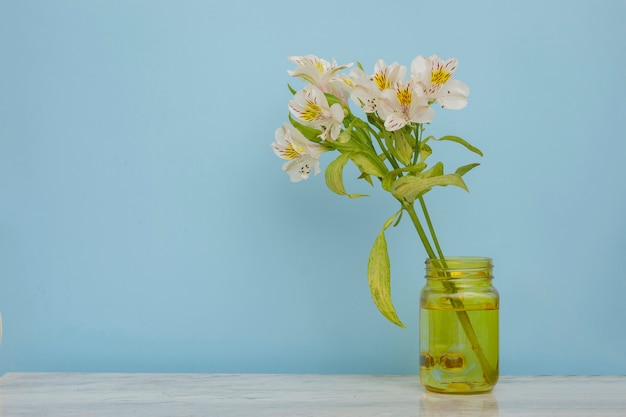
(459, 342)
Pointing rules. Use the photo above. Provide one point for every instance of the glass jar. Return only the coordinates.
(459, 326)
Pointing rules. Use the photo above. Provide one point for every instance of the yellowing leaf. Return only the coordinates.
(369, 164)
(334, 176)
(391, 176)
(408, 188)
(403, 150)
(379, 276)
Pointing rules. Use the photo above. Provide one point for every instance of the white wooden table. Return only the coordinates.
(259, 395)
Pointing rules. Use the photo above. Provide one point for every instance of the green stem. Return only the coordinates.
(418, 141)
(489, 372)
(431, 229)
(389, 157)
(420, 230)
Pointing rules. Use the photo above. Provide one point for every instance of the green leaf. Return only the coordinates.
(435, 171)
(379, 276)
(409, 187)
(293, 91)
(402, 149)
(425, 152)
(307, 131)
(369, 164)
(344, 136)
(332, 99)
(465, 169)
(334, 176)
(367, 178)
(462, 142)
(391, 176)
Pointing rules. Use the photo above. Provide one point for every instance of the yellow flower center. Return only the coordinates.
(404, 96)
(320, 66)
(312, 112)
(348, 82)
(381, 80)
(290, 152)
(440, 76)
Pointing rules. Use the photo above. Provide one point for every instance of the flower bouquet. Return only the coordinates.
(387, 142)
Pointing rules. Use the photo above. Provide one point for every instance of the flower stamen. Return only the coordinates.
(381, 80)
(312, 112)
(404, 96)
(440, 76)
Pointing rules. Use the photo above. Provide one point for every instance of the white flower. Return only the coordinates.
(321, 73)
(403, 105)
(435, 78)
(367, 89)
(301, 154)
(386, 76)
(311, 107)
(364, 92)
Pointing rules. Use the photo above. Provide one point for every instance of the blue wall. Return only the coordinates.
(146, 225)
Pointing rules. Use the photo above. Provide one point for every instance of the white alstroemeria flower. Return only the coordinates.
(367, 89)
(386, 76)
(311, 107)
(318, 72)
(301, 154)
(364, 92)
(435, 77)
(403, 105)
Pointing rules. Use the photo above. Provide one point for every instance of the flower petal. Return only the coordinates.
(453, 95)
(395, 121)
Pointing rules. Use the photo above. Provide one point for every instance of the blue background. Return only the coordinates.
(146, 225)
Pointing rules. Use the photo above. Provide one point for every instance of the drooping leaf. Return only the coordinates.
(334, 176)
(462, 142)
(465, 169)
(379, 276)
(293, 91)
(409, 187)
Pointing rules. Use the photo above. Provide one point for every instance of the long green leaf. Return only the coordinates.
(369, 164)
(379, 276)
(462, 142)
(465, 169)
(391, 176)
(334, 176)
(409, 188)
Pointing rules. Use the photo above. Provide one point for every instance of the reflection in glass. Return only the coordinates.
(443, 405)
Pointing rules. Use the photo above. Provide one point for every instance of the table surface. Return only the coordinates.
(259, 395)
